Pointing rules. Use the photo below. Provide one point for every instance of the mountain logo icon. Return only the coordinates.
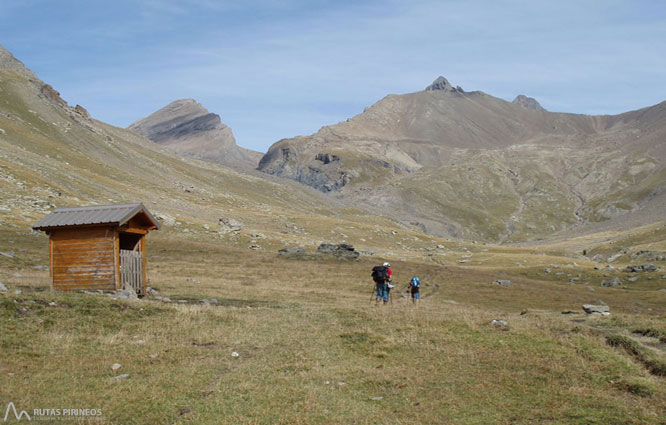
(18, 416)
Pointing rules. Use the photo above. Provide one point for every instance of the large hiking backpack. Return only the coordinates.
(379, 274)
(416, 282)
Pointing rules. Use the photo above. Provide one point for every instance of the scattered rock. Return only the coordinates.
(502, 282)
(115, 366)
(81, 110)
(53, 304)
(152, 356)
(254, 247)
(123, 294)
(234, 354)
(258, 235)
(499, 323)
(546, 270)
(123, 376)
(633, 279)
(292, 251)
(17, 292)
(614, 257)
(596, 309)
(342, 251)
(440, 246)
(649, 255)
(229, 225)
(10, 254)
(163, 299)
(166, 219)
(341, 384)
(2, 132)
(377, 398)
(614, 282)
(598, 258)
(3, 288)
(641, 269)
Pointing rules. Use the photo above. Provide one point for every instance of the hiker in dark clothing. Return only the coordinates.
(381, 276)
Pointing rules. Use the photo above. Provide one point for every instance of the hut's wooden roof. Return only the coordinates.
(92, 215)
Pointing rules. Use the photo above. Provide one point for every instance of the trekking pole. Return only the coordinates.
(372, 294)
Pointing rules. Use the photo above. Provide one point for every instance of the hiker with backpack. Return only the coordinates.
(415, 286)
(381, 275)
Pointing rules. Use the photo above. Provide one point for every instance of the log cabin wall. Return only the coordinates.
(84, 259)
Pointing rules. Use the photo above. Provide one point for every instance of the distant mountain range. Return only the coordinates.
(468, 164)
(443, 161)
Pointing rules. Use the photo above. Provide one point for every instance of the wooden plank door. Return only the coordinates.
(131, 270)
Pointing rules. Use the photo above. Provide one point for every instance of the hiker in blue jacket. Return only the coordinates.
(415, 286)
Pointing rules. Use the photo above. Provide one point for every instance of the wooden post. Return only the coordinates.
(143, 265)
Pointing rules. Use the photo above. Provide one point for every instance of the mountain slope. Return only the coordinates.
(468, 164)
(187, 128)
(53, 155)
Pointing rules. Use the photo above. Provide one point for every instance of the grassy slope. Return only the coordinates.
(299, 324)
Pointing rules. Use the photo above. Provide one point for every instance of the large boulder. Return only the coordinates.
(596, 309)
(229, 225)
(292, 251)
(642, 268)
(613, 282)
(343, 250)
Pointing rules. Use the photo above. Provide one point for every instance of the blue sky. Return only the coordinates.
(277, 69)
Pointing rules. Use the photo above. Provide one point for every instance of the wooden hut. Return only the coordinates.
(98, 247)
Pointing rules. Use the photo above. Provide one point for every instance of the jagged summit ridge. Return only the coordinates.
(442, 84)
(528, 102)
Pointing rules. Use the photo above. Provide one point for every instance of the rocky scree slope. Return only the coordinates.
(187, 128)
(467, 164)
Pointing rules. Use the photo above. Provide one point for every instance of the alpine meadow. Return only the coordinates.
(539, 240)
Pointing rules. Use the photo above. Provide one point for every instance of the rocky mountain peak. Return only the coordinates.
(528, 102)
(442, 84)
(169, 121)
(186, 127)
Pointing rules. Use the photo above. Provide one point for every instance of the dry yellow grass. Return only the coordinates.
(314, 349)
